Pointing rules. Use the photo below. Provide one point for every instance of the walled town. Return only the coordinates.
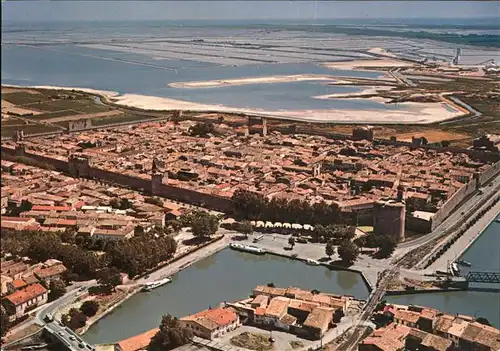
(357, 174)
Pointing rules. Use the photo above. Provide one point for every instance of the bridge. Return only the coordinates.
(483, 277)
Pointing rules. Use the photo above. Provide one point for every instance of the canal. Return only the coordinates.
(226, 276)
(484, 256)
(230, 275)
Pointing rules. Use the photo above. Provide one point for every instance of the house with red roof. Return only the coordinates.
(26, 299)
(211, 323)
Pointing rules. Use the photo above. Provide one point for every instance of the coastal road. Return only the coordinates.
(462, 243)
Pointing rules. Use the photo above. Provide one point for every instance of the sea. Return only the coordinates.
(144, 57)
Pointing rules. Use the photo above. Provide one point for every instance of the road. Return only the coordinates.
(67, 337)
(469, 206)
(374, 299)
(70, 296)
(462, 243)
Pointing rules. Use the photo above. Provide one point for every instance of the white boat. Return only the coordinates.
(311, 262)
(156, 284)
(247, 248)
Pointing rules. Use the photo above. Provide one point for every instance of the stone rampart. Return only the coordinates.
(451, 204)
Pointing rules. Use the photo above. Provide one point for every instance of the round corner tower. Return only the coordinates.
(389, 218)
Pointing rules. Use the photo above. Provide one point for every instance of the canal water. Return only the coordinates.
(484, 255)
(227, 276)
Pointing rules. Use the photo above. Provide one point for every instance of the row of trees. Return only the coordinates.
(133, 256)
(254, 206)
(140, 253)
(335, 233)
(202, 223)
(385, 243)
(40, 246)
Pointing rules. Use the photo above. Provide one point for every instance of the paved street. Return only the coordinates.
(464, 241)
(472, 204)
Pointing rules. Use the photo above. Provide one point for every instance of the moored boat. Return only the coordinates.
(464, 263)
(247, 248)
(156, 284)
(311, 262)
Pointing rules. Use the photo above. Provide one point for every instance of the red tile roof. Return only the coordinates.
(18, 283)
(138, 342)
(26, 294)
(50, 208)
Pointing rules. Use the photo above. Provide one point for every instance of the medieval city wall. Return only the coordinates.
(193, 197)
(489, 174)
(451, 204)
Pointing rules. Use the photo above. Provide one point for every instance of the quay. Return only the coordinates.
(459, 247)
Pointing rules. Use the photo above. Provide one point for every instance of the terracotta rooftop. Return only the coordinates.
(24, 295)
(138, 342)
(213, 318)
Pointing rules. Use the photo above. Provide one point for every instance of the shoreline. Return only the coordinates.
(251, 80)
(417, 113)
(174, 268)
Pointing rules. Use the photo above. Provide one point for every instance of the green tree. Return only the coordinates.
(89, 308)
(74, 320)
(246, 228)
(170, 336)
(4, 322)
(56, 289)
(387, 245)
(329, 249)
(291, 242)
(204, 224)
(348, 251)
(109, 276)
(175, 224)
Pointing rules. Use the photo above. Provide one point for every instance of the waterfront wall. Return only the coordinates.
(453, 202)
(468, 189)
(489, 174)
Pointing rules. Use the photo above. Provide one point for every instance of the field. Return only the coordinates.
(47, 110)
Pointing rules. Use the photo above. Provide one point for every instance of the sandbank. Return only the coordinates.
(360, 94)
(250, 80)
(367, 64)
(416, 113)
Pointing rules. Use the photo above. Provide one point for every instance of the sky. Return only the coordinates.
(44, 10)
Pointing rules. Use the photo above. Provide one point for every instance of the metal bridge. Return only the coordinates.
(483, 277)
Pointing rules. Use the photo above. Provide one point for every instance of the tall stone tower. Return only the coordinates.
(389, 218)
